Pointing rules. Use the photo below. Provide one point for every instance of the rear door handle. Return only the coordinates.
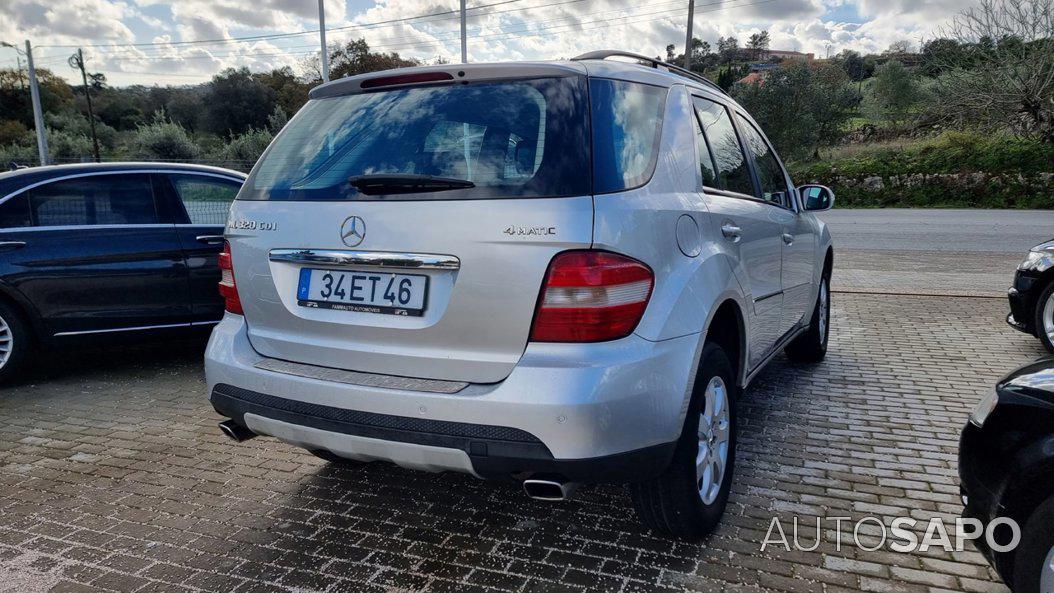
(210, 239)
(11, 245)
(788, 238)
(731, 231)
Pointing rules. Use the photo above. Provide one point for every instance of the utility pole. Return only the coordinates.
(38, 113)
(688, 38)
(77, 61)
(322, 39)
(464, 38)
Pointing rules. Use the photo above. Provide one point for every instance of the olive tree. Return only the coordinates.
(1008, 82)
(801, 107)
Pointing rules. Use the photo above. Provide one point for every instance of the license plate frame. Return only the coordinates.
(304, 293)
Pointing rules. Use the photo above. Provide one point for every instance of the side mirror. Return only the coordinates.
(816, 198)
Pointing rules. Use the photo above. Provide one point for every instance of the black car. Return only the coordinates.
(1006, 464)
(1032, 295)
(108, 250)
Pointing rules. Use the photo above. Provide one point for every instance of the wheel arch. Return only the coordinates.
(727, 328)
(12, 297)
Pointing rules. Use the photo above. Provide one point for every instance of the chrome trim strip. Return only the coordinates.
(309, 371)
(116, 172)
(73, 227)
(373, 259)
(139, 328)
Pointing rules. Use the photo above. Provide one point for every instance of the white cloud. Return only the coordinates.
(551, 29)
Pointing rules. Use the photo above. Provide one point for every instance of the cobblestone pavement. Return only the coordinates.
(113, 476)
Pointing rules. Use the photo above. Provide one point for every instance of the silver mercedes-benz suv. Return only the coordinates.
(554, 272)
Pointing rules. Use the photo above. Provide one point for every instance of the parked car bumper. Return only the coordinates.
(607, 412)
(1022, 297)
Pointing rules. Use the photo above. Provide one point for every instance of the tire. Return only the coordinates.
(675, 504)
(16, 344)
(811, 346)
(1043, 320)
(1034, 559)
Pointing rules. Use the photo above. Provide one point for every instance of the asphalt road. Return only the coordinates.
(933, 252)
(940, 230)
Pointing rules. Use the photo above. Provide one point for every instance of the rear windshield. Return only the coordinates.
(512, 139)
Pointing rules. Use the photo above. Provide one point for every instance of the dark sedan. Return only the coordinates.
(106, 251)
(1032, 295)
(1006, 463)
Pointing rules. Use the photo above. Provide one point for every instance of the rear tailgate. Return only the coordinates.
(476, 318)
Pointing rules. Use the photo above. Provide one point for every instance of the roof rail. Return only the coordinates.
(655, 63)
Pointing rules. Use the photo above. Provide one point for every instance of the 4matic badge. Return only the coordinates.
(529, 231)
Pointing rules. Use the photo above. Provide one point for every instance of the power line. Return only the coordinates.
(280, 35)
(369, 26)
(532, 28)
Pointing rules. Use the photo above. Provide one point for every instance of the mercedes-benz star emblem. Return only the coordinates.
(353, 231)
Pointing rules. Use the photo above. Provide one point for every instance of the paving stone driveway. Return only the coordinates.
(113, 476)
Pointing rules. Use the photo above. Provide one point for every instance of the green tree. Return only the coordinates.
(355, 57)
(289, 89)
(728, 49)
(801, 107)
(236, 101)
(894, 96)
(758, 44)
(856, 66)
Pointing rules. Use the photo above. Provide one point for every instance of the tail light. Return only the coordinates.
(228, 289)
(591, 296)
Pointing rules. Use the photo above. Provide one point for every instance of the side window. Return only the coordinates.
(627, 122)
(770, 173)
(98, 200)
(207, 199)
(733, 173)
(706, 157)
(14, 213)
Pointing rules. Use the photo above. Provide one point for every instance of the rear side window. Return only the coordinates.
(14, 213)
(627, 123)
(207, 199)
(706, 158)
(770, 173)
(99, 200)
(733, 173)
(520, 138)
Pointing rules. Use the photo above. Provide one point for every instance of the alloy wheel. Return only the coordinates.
(7, 342)
(714, 434)
(1048, 318)
(1046, 575)
(823, 311)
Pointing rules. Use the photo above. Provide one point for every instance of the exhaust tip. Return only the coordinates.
(549, 489)
(235, 431)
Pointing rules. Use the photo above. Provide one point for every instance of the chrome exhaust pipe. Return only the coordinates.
(549, 489)
(235, 431)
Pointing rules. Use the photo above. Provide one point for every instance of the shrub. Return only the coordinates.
(164, 140)
(68, 147)
(955, 169)
(243, 150)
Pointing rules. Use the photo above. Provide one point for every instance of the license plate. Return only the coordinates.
(367, 292)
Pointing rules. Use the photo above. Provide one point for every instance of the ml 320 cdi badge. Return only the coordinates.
(556, 273)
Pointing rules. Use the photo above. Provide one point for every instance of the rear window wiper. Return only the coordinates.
(404, 183)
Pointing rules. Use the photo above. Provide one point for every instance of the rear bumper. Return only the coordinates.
(591, 413)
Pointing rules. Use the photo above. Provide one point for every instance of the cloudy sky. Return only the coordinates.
(187, 41)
